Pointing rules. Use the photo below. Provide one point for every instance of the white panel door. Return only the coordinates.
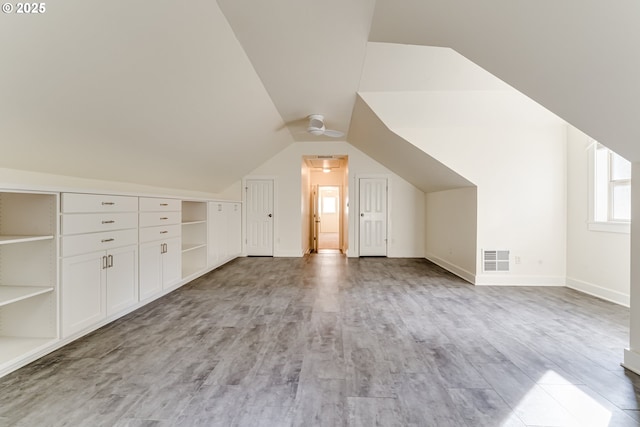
(373, 216)
(259, 228)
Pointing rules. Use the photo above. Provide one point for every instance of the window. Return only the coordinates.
(329, 205)
(611, 183)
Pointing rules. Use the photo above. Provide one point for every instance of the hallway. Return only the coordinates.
(326, 340)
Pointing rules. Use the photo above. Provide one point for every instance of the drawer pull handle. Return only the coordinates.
(109, 261)
(164, 217)
(107, 240)
(164, 232)
(104, 262)
(164, 204)
(108, 222)
(108, 203)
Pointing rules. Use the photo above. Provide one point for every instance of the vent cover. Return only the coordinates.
(495, 260)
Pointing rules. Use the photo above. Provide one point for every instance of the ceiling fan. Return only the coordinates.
(316, 127)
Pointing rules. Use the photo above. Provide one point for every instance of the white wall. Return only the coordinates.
(26, 180)
(632, 354)
(451, 230)
(305, 207)
(520, 173)
(332, 178)
(598, 262)
(406, 212)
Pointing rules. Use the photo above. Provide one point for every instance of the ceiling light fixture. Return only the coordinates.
(326, 170)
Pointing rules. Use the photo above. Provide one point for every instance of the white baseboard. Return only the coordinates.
(631, 360)
(285, 254)
(458, 271)
(598, 291)
(501, 279)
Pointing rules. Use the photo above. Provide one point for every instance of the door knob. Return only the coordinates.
(270, 215)
(361, 214)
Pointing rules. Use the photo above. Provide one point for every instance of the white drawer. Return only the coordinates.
(150, 234)
(151, 219)
(96, 222)
(85, 243)
(80, 203)
(154, 204)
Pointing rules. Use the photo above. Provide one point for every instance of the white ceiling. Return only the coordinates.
(118, 90)
(196, 97)
(308, 55)
(578, 58)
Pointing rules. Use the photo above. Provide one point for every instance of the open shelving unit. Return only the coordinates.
(28, 275)
(194, 237)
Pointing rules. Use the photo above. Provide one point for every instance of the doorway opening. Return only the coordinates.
(325, 189)
(328, 218)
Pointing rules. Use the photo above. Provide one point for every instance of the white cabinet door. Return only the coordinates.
(216, 233)
(171, 263)
(83, 291)
(150, 269)
(234, 230)
(122, 279)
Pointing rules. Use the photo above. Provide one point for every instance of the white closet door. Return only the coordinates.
(373, 216)
(259, 228)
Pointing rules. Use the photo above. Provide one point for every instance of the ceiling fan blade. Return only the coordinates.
(333, 133)
(315, 130)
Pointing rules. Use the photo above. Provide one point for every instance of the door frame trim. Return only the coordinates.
(273, 179)
(356, 199)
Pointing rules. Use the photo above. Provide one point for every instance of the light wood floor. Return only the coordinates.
(328, 240)
(325, 340)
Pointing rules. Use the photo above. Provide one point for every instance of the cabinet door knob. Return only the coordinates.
(110, 261)
(270, 215)
(104, 262)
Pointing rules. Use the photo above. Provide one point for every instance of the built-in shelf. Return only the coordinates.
(15, 347)
(28, 276)
(6, 240)
(194, 237)
(193, 222)
(191, 247)
(11, 294)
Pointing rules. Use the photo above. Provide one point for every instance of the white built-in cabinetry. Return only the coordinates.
(99, 250)
(160, 245)
(71, 262)
(28, 275)
(225, 230)
(194, 237)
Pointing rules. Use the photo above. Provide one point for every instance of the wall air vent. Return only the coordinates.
(495, 260)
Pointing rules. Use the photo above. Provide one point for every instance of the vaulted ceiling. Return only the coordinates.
(194, 96)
